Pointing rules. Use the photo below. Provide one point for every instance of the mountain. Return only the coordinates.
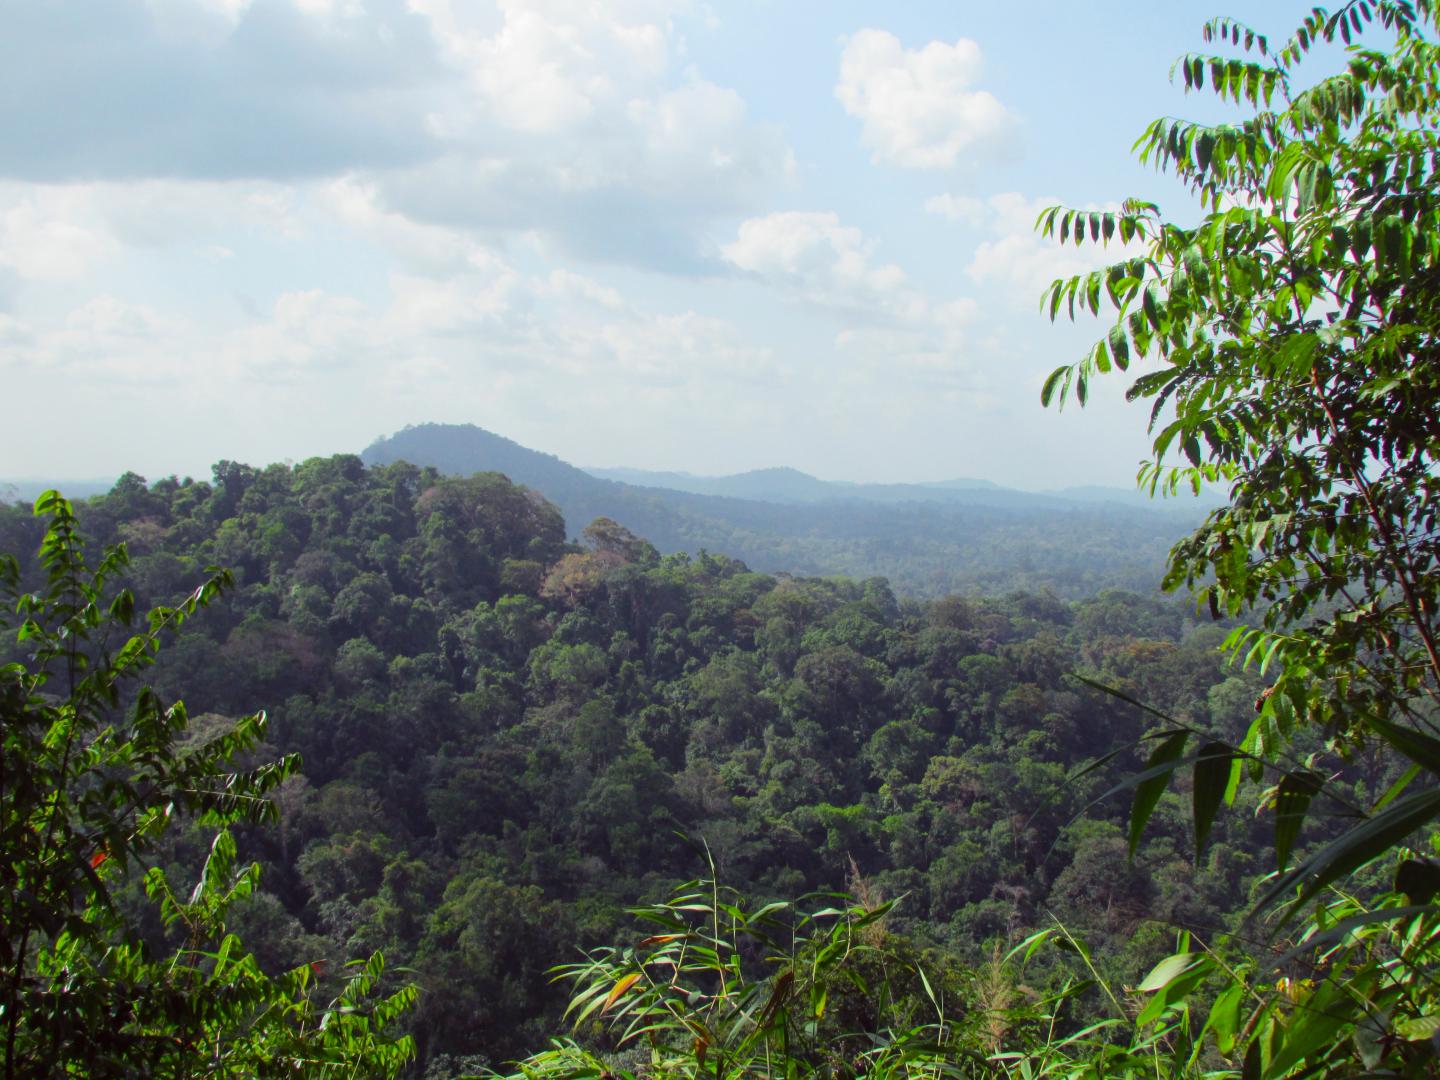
(927, 539)
(785, 485)
(961, 483)
(767, 485)
(461, 449)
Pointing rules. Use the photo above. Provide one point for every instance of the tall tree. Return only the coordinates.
(1290, 346)
(1288, 350)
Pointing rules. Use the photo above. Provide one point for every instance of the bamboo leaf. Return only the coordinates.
(1160, 767)
(622, 984)
(1292, 802)
(1422, 749)
(1216, 766)
(1352, 850)
(1166, 971)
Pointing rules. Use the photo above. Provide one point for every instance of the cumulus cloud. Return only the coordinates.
(110, 340)
(582, 123)
(919, 108)
(892, 334)
(419, 245)
(492, 319)
(818, 258)
(566, 285)
(639, 185)
(672, 350)
(551, 65)
(60, 233)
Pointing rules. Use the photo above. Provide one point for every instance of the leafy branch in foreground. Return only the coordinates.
(1289, 349)
(91, 772)
(1290, 345)
(1292, 336)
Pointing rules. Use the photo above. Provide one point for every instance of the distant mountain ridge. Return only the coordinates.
(768, 485)
(784, 484)
(789, 485)
(980, 538)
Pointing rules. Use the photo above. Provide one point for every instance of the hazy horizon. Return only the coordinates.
(99, 478)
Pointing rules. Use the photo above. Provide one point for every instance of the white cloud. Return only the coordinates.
(568, 286)
(579, 121)
(672, 350)
(489, 321)
(935, 352)
(131, 89)
(697, 137)
(112, 341)
(467, 304)
(14, 337)
(57, 233)
(639, 184)
(51, 234)
(165, 213)
(919, 108)
(893, 340)
(551, 65)
(814, 255)
(430, 248)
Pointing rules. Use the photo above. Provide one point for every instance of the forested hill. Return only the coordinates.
(975, 539)
(508, 739)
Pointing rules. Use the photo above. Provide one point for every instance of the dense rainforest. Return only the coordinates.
(507, 740)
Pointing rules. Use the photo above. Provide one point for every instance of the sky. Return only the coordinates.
(651, 233)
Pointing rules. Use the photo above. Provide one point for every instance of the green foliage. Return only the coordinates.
(494, 772)
(725, 989)
(1352, 994)
(1291, 334)
(93, 770)
(504, 732)
(490, 779)
(1289, 341)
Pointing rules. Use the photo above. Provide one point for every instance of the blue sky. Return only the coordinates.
(654, 233)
